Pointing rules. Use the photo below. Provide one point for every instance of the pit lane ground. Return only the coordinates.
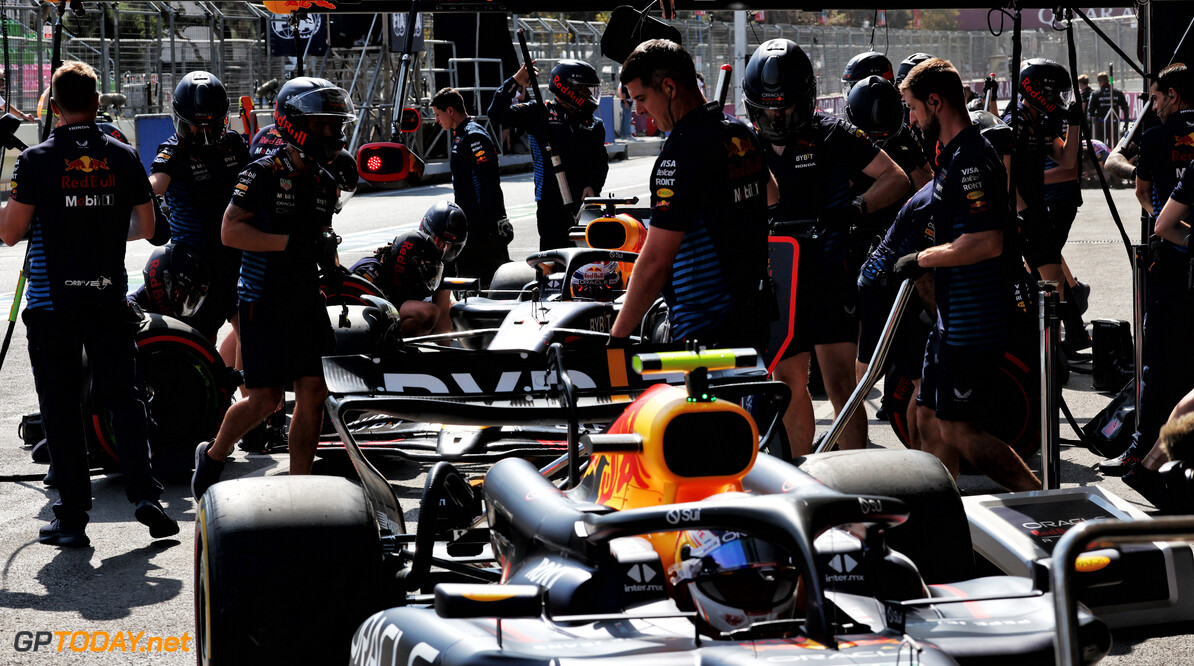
(125, 582)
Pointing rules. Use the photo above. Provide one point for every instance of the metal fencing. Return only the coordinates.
(142, 49)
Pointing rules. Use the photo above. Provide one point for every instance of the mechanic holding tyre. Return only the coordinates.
(280, 217)
(971, 267)
(477, 186)
(196, 170)
(706, 248)
(84, 195)
(575, 135)
(814, 159)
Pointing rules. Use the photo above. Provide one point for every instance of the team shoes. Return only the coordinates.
(74, 535)
(207, 471)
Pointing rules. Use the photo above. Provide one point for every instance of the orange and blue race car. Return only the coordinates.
(671, 539)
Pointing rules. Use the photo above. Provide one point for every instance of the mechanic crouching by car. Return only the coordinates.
(477, 187)
(971, 268)
(196, 170)
(408, 271)
(706, 249)
(575, 135)
(815, 158)
(280, 217)
(84, 195)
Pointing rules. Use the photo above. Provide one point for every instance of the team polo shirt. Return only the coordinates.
(1165, 152)
(814, 174)
(83, 185)
(201, 180)
(710, 182)
(475, 181)
(969, 196)
(285, 198)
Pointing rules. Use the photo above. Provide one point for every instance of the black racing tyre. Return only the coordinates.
(349, 289)
(286, 569)
(936, 535)
(1012, 418)
(510, 279)
(187, 388)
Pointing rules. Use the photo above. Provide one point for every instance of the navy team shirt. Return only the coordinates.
(969, 196)
(201, 180)
(1165, 154)
(710, 182)
(285, 199)
(814, 174)
(84, 186)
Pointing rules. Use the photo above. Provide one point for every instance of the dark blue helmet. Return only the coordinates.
(446, 223)
(312, 115)
(200, 109)
(874, 106)
(871, 63)
(780, 89)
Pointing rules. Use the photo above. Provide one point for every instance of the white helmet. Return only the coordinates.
(735, 580)
(597, 281)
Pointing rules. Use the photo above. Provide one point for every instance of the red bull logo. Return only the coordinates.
(87, 164)
(1037, 95)
(1187, 140)
(739, 147)
(282, 121)
(562, 89)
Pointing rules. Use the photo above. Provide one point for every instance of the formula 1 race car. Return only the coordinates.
(652, 553)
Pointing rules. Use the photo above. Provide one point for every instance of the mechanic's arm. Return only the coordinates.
(921, 175)
(15, 219)
(968, 249)
(1066, 153)
(651, 270)
(442, 299)
(237, 232)
(890, 184)
(772, 190)
(502, 108)
(1119, 163)
(1171, 223)
(143, 221)
(1144, 194)
(160, 182)
(1059, 174)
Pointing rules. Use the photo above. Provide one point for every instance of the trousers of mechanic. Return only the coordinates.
(576, 137)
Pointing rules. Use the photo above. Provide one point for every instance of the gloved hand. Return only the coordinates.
(1074, 115)
(990, 83)
(504, 231)
(908, 268)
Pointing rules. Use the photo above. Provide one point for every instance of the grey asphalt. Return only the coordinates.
(126, 582)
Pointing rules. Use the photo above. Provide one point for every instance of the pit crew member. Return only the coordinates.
(280, 217)
(575, 134)
(84, 195)
(706, 249)
(814, 159)
(970, 275)
(478, 189)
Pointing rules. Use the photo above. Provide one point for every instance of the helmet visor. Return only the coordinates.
(755, 588)
(324, 102)
(774, 124)
(205, 134)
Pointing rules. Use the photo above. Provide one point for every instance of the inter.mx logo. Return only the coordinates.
(91, 200)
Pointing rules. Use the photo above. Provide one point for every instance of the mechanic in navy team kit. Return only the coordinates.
(706, 248)
(478, 189)
(85, 195)
(280, 217)
(266, 140)
(1165, 155)
(408, 271)
(575, 134)
(1044, 118)
(971, 279)
(196, 169)
(814, 159)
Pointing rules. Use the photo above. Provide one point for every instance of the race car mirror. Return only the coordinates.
(388, 162)
(385, 307)
(410, 120)
(462, 600)
(465, 284)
